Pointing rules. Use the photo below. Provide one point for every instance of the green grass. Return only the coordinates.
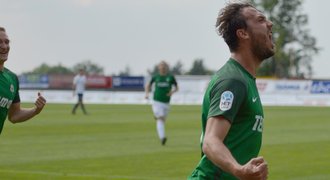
(120, 142)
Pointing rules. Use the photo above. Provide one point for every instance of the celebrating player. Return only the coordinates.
(9, 90)
(232, 114)
(162, 95)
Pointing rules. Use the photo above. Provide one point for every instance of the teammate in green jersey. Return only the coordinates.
(161, 98)
(232, 114)
(9, 90)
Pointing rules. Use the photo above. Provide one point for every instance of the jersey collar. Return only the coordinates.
(233, 61)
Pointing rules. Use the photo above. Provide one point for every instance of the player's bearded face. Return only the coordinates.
(4, 46)
(262, 45)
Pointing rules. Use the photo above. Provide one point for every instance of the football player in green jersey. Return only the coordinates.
(232, 114)
(161, 97)
(9, 86)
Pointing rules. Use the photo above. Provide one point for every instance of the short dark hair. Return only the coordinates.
(229, 20)
(2, 29)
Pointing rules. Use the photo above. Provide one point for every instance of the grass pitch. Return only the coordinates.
(120, 142)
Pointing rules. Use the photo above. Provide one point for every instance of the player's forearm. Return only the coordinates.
(147, 92)
(176, 88)
(172, 91)
(220, 155)
(23, 114)
(147, 89)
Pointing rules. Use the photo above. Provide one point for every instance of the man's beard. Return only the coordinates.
(3, 59)
(259, 49)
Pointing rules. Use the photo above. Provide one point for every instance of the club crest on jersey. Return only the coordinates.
(226, 100)
(12, 88)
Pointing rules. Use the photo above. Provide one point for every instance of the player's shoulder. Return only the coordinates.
(9, 72)
(232, 70)
(154, 76)
(229, 81)
(172, 76)
(230, 76)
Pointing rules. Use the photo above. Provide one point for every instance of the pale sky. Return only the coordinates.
(137, 34)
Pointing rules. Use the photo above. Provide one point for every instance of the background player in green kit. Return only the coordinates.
(161, 98)
(9, 96)
(232, 114)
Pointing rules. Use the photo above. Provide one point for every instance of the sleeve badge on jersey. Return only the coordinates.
(226, 100)
(12, 89)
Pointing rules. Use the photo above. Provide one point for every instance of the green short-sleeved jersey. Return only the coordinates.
(232, 93)
(8, 93)
(163, 85)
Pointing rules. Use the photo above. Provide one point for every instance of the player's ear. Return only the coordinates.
(242, 34)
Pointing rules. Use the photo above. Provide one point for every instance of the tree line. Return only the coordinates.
(88, 66)
(198, 68)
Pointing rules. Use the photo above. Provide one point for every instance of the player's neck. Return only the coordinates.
(1, 66)
(250, 63)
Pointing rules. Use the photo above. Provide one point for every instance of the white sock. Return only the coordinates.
(161, 128)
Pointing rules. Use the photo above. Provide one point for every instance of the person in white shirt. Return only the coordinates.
(79, 85)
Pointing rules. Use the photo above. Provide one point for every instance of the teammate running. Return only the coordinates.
(161, 98)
